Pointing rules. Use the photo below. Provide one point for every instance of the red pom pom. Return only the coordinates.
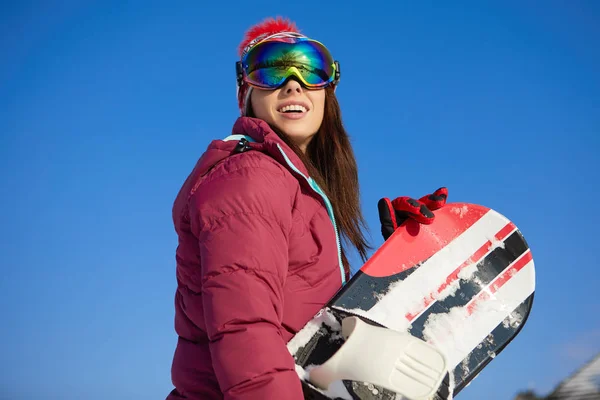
(269, 26)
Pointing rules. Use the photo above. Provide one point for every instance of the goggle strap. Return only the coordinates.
(247, 99)
(239, 72)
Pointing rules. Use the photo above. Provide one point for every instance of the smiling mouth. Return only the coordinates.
(293, 108)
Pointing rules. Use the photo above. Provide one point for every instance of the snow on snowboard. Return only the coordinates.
(463, 285)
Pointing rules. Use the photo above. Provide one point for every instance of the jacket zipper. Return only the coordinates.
(328, 205)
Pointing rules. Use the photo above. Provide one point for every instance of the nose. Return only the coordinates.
(292, 86)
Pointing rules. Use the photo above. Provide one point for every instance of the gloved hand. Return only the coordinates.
(393, 213)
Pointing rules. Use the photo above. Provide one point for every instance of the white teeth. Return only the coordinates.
(293, 107)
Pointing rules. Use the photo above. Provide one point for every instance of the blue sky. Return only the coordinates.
(104, 109)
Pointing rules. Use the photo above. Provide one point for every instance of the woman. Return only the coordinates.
(260, 222)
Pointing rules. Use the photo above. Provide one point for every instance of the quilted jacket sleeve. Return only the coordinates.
(242, 221)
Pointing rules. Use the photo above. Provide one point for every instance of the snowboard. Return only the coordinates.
(464, 283)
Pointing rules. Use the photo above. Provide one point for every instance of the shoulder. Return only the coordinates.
(247, 183)
(251, 164)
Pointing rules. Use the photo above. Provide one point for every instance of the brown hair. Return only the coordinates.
(330, 161)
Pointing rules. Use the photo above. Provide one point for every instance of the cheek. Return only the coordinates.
(260, 105)
(319, 104)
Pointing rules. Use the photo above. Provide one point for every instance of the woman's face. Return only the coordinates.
(296, 111)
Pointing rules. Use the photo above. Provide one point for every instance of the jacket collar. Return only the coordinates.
(267, 141)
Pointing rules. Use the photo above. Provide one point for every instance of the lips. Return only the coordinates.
(293, 107)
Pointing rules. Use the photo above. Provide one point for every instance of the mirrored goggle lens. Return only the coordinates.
(269, 64)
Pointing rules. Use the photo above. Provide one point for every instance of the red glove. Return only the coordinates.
(393, 213)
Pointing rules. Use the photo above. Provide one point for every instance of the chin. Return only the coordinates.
(298, 133)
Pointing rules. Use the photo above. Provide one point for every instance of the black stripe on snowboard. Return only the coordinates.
(487, 270)
(364, 291)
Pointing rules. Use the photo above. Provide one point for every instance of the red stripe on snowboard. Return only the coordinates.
(493, 287)
(473, 259)
(450, 222)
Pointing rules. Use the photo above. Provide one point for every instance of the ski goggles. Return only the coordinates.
(269, 64)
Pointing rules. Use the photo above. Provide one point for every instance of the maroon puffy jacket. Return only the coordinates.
(258, 256)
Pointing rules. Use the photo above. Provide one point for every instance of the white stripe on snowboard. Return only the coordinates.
(406, 296)
(471, 330)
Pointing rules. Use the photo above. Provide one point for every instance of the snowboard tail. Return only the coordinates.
(464, 283)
